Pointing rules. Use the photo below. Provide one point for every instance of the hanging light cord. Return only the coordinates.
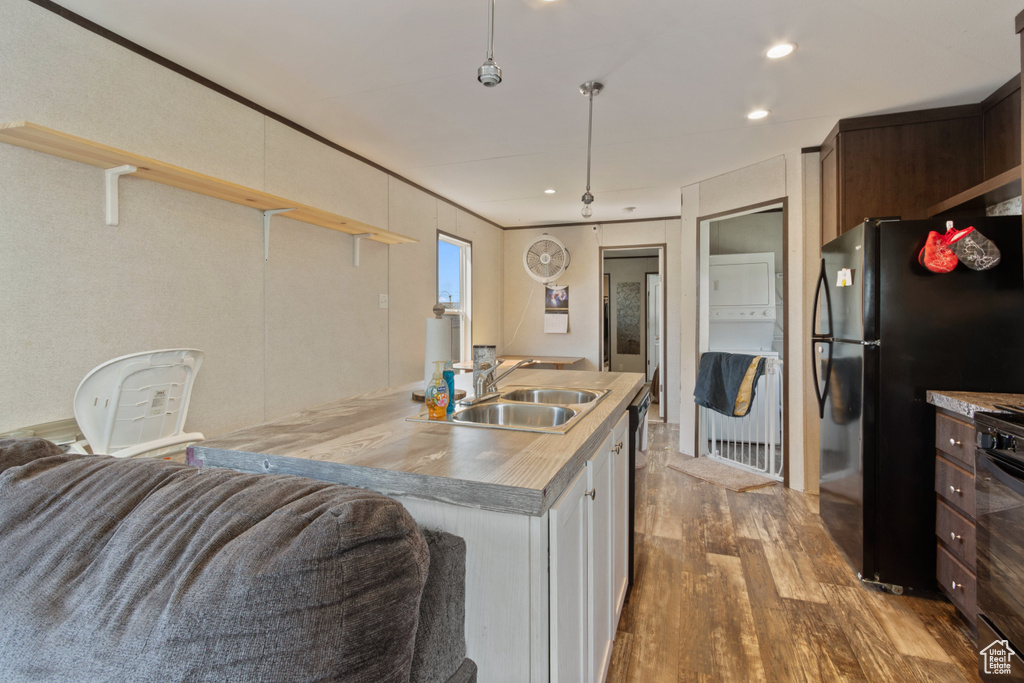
(590, 133)
(489, 73)
(490, 31)
(590, 88)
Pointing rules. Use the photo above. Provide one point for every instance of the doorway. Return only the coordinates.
(633, 316)
(742, 262)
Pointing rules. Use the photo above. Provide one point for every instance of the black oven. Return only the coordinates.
(999, 482)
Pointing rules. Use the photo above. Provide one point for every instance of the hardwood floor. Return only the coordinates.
(749, 587)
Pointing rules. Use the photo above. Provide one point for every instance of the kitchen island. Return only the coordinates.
(543, 515)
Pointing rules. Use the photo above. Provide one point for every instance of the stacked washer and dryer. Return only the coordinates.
(742, 319)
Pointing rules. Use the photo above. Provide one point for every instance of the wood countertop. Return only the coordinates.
(967, 403)
(366, 441)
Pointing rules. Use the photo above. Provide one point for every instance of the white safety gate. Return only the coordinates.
(755, 440)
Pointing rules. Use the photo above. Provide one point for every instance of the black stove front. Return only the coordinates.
(999, 460)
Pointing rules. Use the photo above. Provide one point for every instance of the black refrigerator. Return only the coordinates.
(885, 331)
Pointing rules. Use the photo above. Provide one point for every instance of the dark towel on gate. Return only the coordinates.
(720, 378)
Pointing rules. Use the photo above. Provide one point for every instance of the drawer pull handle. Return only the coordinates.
(953, 489)
(953, 442)
(592, 494)
(953, 536)
(957, 586)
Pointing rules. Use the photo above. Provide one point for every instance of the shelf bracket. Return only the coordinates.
(112, 175)
(267, 213)
(356, 239)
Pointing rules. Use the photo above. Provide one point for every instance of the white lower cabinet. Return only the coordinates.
(600, 564)
(587, 537)
(543, 594)
(620, 515)
(570, 632)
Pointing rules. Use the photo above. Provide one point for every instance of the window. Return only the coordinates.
(454, 279)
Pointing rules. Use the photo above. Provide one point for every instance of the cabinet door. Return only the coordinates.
(620, 516)
(569, 627)
(600, 499)
(829, 192)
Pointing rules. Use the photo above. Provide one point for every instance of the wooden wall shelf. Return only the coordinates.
(41, 139)
(1004, 186)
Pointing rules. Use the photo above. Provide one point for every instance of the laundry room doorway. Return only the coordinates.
(742, 273)
(633, 316)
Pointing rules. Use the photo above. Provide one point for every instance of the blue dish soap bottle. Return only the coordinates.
(449, 379)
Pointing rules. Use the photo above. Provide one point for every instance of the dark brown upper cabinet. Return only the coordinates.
(912, 164)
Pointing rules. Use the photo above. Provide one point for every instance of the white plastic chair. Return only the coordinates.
(137, 403)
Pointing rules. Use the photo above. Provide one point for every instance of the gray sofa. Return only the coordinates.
(148, 570)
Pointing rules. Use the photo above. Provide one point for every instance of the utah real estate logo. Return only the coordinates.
(996, 657)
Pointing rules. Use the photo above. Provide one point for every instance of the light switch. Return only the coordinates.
(382, 301)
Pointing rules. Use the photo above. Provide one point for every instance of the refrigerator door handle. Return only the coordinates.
(822, 285)
(819, 390)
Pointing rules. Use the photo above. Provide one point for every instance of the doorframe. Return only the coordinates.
(663, 270)
(647, 317)
(663, 393)
(702, 221)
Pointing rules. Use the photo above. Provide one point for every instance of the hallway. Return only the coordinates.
(749, 587)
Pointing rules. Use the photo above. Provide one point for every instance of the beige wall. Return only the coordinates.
(789, 176)
(523, 296)
(186, 270)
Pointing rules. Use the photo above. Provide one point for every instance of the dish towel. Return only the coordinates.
(726, 382)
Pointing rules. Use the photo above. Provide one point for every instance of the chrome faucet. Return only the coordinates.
(487, 384)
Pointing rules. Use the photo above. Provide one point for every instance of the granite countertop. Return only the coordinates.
(967, 403)
(366, 441)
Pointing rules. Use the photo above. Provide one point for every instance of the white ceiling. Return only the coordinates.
(395, 81)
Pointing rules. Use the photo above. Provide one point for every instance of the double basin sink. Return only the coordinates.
(551, 410)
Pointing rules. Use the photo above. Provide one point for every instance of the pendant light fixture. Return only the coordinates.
(588, 90)
(489, 73)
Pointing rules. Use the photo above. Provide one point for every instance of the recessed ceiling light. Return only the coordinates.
(549, 191)
(781, 50)
(758, 114)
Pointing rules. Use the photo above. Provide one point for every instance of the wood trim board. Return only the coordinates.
(42, 139)
(908, 117)
(1001, 93)
(1006, 185)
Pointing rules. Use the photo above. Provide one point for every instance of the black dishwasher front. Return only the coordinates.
(637, 442)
